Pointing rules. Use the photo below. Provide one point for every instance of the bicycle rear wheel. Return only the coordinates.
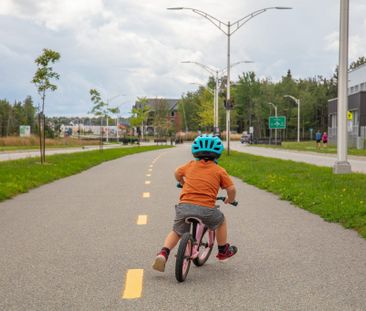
(184, 254)
(205, 245)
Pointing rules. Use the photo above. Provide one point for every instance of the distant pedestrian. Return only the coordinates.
(318, 138)
(325, 139)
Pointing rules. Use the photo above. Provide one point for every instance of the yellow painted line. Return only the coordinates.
(151, 165)
(142, 220)
(148, 175)
(133, 285)
(147, 182)
(150, 169)
(146, 195)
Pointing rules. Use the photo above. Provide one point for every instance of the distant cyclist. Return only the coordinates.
(201, 180)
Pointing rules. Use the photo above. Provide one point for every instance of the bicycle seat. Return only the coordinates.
(193, 219)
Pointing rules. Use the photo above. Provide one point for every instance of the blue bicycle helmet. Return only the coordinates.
(207, 147)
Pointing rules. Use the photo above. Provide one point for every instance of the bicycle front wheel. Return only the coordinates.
(205, 245)
(184, 254)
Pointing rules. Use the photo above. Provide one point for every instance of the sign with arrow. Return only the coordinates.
(277, 122)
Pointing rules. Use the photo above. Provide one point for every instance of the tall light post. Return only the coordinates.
(108, 101)
(297, 101)
(117, 136)
(275, 108)
(228, 32)
(217, 74)
(342, 166)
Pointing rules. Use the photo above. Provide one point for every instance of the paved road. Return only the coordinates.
(68, 245)
(358, 164)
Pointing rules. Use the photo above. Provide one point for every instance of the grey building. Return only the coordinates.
(356, 116)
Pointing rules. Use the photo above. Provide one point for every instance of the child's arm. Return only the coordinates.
(179, 177)
(231, 193)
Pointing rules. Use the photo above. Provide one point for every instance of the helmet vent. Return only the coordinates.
(200, 142)
(211, 145)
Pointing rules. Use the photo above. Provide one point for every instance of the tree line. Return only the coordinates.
(252, 97)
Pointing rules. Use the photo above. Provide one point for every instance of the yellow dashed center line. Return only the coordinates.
(133, 285)
(151, 165)
(147, 182)
(150, 169)
(146, 195)
(142, 220)
(148, 175)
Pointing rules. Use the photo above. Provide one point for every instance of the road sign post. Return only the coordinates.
(278, 122)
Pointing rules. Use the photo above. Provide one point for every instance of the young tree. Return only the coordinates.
(102, 110)
(42, 80)
(141, 114)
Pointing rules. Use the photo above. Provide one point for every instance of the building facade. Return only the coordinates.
(156, 105)
(356, 112)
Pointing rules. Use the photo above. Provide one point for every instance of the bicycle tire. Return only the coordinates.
(204, 249)
(183, 261)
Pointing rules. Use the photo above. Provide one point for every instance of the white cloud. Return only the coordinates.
(135, 47)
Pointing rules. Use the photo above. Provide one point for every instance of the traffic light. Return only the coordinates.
(229, 104)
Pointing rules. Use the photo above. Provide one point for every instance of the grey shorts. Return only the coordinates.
(211, 217)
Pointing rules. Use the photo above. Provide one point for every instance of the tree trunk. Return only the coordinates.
(101, 135)
(44, 138)
(40, 136)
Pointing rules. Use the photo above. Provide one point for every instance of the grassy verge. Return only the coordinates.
(336, 198)
(22, 175)
(311, 146)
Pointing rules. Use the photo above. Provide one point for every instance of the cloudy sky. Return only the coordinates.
(136, 47)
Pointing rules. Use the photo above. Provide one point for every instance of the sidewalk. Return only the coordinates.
(22, 154)
(358, 164)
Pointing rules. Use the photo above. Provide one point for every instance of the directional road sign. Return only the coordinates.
(277, 122)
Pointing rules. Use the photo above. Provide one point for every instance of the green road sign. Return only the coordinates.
(277, 122)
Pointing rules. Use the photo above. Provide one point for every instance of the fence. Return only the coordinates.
(356, 136)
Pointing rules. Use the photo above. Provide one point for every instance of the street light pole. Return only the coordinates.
(108, 101)
(219, 24)
(342, 166)
(297, 101)
(215, 72)
(275, 107)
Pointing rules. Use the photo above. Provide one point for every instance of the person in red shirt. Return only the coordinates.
(201, 180)
(325, 139)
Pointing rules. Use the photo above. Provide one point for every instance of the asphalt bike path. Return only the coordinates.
(358, 163)
(75, 244)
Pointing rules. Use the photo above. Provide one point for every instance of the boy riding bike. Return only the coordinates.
(201, 180)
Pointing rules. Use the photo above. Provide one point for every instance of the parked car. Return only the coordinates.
(246, 138)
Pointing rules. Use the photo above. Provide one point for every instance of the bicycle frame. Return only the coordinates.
(197, 230)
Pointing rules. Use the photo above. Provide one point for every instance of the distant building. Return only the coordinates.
(356, 116)
(172, 115)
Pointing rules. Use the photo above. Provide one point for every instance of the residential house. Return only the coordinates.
(154, 104)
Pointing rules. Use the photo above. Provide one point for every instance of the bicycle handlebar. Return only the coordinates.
(234, 203)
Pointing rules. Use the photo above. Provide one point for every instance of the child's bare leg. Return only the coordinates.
(161, 259)
(221, 234)
(171, 240)
(225, 250)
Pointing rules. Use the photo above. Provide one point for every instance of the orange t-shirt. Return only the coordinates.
(202, 181)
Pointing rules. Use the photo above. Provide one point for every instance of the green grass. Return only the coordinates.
(311, 146)
(336, 198)
(19, 176)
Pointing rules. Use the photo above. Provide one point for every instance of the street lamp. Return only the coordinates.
(297, 101)
(228, 32)
(108, 101)
(216, 73)
(275, 107)
(342, 166)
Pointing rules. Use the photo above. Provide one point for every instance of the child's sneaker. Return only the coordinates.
(230, 250)
(160, 261)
